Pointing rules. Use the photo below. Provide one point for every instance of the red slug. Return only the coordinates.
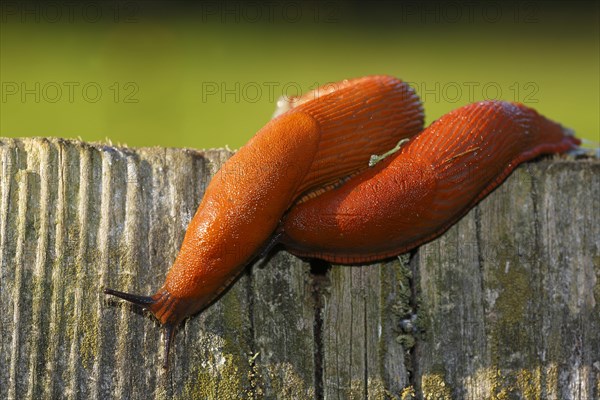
(329, 134)
(416, 194)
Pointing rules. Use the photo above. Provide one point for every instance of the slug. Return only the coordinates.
(420, 191)
(330, 133)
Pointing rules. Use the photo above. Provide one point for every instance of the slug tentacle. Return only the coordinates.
(165, 307)
(142, 301)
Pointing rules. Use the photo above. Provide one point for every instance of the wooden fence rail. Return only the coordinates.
(504, 305)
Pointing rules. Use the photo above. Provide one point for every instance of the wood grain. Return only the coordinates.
(504, 305)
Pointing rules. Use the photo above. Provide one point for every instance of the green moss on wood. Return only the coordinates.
(89, 345)
(407, 341)
(530, 384)
(233, 312)
(434, 387)
(408, 393)
(288, 383)
(513, 287)
(220, 378)
(376, 390)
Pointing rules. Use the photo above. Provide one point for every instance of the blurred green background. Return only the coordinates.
(203, 75)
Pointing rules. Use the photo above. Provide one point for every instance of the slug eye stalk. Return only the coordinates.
(142, 301)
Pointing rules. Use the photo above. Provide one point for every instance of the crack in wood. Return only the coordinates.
(319, 270)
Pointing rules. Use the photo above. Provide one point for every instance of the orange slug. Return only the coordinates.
(420, 191)
(330, 133)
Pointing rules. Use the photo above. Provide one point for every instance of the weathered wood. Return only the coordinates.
(283, 315)
(363, 355)
(510, 293)
(504, 305)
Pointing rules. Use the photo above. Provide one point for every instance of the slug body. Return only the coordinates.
(416, 194)
(317, 141)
